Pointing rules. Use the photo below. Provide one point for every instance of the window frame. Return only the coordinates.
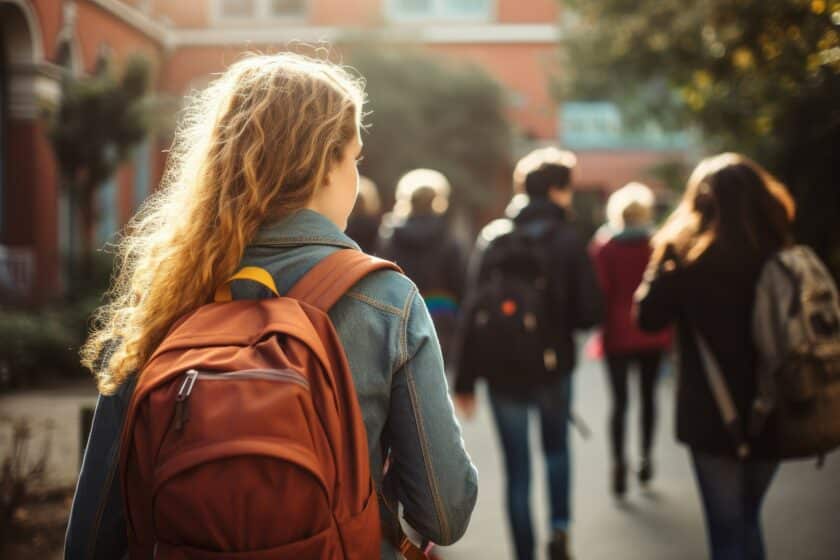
(262, 13)
(439, 13)
(612, 134)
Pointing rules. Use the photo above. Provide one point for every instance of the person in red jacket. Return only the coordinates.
(620, 251)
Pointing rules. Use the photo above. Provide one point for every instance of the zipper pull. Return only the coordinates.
(182, 413)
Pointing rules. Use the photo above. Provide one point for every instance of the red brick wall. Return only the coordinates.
(125, 192)
(190, 65)
(21, 180)
(95, 26)
(138, 4)
(527, 11)
(46, 203)
(49, 20)
(520, 68)
(32, 179)
(32, 200)
(193, 66)
(197, 13)
(183, 13)
(345, 12)
(611, 170)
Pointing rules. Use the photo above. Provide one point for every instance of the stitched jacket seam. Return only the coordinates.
(404, 329)
(375, 303)
(427, 459)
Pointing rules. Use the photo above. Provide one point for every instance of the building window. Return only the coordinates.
(599, 126)
(282, 8)
(412, 7)
(468, 7)
(251, 10)
(238, 8)
(440, 9)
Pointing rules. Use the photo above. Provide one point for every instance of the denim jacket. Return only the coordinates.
(398, 371)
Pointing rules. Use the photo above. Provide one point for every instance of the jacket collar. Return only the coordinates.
(632, 234)
(304, 227)
(538, 209)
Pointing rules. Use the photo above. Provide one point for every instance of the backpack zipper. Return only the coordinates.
(193, 375)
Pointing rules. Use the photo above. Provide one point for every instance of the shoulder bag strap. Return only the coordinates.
(723, 398)
(330, 279)
(322, 287)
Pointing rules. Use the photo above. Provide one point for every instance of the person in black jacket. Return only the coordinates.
(572, 300)
(418, 237)
(363, 224)
(702, 276)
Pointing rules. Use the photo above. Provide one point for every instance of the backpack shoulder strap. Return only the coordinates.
(722, 396)
(330, 279)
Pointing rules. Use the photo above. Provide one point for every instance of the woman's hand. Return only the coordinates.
(465, 404)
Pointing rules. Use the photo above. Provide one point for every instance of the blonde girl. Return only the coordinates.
(263, 172)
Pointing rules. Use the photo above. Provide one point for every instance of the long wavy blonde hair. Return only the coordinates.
(252, 147)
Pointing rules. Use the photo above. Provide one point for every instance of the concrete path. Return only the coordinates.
(801, 516)
(52, 413)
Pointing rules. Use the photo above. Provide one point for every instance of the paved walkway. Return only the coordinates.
(802, 512)
(54, 412)
(802, 515)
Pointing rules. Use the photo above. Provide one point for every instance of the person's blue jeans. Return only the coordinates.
(732, 493)
(511, 415)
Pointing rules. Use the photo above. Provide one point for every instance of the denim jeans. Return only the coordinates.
(553, 404)
(618, 366)
(732, 493)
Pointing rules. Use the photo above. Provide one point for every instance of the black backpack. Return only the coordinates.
(506, 326)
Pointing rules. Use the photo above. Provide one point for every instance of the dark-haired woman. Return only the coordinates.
(702, 276)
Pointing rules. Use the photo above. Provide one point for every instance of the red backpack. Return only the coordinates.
(244, 437)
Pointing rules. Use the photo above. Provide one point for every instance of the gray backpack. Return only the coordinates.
(796, 332)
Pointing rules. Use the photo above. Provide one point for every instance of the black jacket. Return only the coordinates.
(425, 249)
(364, 230)
(713, 295)
(575, 298)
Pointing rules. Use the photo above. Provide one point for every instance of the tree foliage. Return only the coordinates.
(97, 122)
(757, 76)
(430, 112)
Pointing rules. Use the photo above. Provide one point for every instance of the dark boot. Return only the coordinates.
(619, 480)
(558, 547)
(645, 471)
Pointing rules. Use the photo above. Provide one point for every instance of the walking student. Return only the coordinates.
(364, 222)
(264, 176)
(702, 276)
(417, 236)
(621, 254)
(531, 286)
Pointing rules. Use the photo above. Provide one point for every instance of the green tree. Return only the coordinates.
(431, 112)
(97, 122)
(760, 77)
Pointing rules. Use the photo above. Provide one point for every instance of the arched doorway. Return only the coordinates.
(27, 218)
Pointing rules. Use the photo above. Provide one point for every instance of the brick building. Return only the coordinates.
(188, 40)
